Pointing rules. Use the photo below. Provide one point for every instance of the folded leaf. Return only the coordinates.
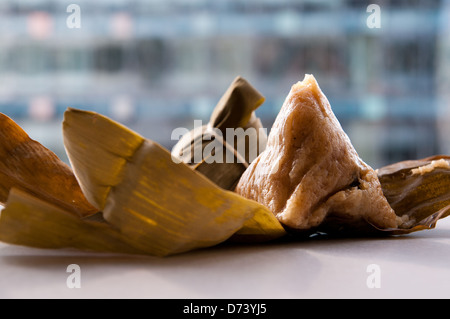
(418, 191)
(236, 106)
(28, 165)
(163, 207)
(30, 221)
(233, 138)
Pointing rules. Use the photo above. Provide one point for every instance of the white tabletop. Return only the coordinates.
(411, 266)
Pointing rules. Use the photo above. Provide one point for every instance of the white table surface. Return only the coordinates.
(411, 266)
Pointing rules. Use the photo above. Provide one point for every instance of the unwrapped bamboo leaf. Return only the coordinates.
(30, 221)
(236, 107)
(161, 206)
(97, 157)
(28, 165)
(418, 191)
(230, 155)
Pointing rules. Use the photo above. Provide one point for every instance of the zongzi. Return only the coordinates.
(310, 175)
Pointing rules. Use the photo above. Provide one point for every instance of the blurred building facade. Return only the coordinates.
(155, 65)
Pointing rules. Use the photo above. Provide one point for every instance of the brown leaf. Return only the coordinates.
(212, 149)
(160, 206)
(28, 165)
(418, 191)
(31, 221)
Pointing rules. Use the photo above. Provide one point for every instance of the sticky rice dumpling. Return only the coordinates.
(310, 175)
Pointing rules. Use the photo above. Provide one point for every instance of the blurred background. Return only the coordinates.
(155, 65)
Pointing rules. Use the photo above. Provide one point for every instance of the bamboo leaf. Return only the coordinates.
(418, 191)
(236, 106)
(162, 206)
(231, 153)
(31, 221)
(28, 165)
